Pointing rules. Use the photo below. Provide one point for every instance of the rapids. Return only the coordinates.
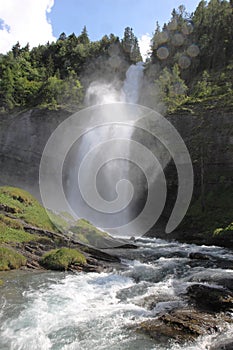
(64, 311)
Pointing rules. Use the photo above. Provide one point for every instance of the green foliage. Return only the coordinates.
(25, 206)
(49, 75)
(214, 31)
(228, 230)
(83, 37)
(172, 88)
(203, 88)
(10, 259)
(130, 45)
(201, 45)
(213, 84)
(61, 259)
(62, 93)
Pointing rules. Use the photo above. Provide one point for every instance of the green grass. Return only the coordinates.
(11, 230)
(23, 205)
(61, 259)
(87, 233)
(10, 259)
(1, 283)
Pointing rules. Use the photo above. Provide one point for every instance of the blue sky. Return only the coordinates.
(112, 16)
(40, 21)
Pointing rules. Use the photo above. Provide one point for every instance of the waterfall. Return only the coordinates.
(133, 83)
(99, 93)
(102, 93)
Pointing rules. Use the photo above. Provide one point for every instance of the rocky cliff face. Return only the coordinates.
(209, 139)
(23, 137)
(208, 136)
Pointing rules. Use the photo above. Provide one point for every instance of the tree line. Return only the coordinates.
(50, 75)
(192, 55)
(191, 59)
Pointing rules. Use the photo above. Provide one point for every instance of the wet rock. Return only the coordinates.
(213, 276)
(226, 282)
(133, 291)
(7, 209)
(150, 302)
(224, 345)
(210, 298)
(183, 325)
(198, 256)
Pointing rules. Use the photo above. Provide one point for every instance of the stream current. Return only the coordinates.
(65, 311)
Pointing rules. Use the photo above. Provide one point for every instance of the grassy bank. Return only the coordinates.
(27, 233)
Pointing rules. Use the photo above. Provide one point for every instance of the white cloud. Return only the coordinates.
(144, 44)
(24, 21)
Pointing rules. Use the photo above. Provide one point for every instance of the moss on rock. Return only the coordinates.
(10, 259)
(62, 259)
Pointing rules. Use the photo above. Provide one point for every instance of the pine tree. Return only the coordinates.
(7, 88)
(130, 45)
(16, 50)
(83, 37)
(62, 36)
(172, 88)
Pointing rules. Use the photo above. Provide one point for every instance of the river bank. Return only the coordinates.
(28, 239)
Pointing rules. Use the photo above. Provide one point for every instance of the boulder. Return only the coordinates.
(183, 325)
(210, 298)
(198, 256)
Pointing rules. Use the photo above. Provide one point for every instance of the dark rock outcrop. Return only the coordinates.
(198, 256)
(23, 137)
(97, 260)
(206, 313)
(183, 325)
(210, 298)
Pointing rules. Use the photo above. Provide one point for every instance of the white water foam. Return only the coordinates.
(69, 312)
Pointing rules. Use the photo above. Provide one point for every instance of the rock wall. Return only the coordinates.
(208, 136)
(23, 137)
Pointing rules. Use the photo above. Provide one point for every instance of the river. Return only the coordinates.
(86, 311)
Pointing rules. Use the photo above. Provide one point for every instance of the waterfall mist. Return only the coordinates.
(118, 181)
